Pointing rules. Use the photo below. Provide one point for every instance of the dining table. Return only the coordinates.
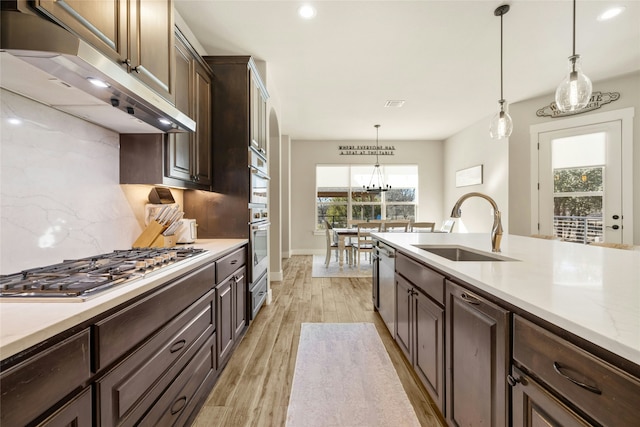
(340, 234)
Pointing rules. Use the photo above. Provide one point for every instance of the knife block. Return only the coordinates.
(149, 235)
(164, 241)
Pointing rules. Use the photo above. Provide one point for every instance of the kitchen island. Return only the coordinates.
(556, 322)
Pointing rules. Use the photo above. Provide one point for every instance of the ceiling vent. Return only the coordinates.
(394, 104)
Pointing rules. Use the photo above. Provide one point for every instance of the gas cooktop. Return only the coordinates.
(81, 279)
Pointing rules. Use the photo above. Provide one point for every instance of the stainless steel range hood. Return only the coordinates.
(49, 64)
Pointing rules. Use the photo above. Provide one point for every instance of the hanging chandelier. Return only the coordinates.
(376, 183)
(574, 92)
(501, 124)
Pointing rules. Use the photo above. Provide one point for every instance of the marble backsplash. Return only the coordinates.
(60, 196)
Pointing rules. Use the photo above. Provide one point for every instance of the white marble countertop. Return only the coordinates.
(590, 291)
(24, 324)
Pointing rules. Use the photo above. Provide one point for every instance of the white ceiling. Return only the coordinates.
(332, 75)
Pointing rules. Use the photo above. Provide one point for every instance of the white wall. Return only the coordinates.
(60, 196)
(305, 155)
(524, 115)
(471, 147)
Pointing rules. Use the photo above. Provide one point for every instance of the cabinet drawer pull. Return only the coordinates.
(238, 278)
(234, 262)
(469, 299)
(558, 368)
(177, 346)
(178, 405)
(512, 381)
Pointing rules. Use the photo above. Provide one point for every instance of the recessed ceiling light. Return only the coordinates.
(307, 11)
(394, 103)
(611, 13)
(97, 82)
(14, 121)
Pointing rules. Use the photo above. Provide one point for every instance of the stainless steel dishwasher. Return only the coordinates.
(386, 285)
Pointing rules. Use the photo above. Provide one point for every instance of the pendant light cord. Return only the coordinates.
(574, 27)
(501, 95)
(377, 149)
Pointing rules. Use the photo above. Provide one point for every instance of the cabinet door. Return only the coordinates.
(77, 413)
(477, 356)
(97, 22)
(239, 283)
(429, 346)
(180, 149)
(533, 406)
(151, 40)
(224, 320)
(404, 318)
(202, 136)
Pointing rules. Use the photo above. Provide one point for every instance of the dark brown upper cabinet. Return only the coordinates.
(177, 159)
(141, 42)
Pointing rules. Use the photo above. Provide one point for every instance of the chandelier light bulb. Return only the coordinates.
(501, 123)
(574, 92)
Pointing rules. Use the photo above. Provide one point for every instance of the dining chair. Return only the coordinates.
(332, 245)
(423, 227)
(613, 245)
(396, 226)
(364, 242)
(545, 237)
(447, 226)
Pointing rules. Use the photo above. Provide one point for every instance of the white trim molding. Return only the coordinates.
(625, 115)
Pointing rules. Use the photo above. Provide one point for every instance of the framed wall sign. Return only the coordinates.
(469, 176)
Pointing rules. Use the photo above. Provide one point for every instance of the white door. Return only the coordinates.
(580, 179)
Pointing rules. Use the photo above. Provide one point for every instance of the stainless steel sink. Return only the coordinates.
(461, 253)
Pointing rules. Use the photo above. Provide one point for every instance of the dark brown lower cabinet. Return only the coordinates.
(231, 308)
(533, 406)
(477, 360)
(587, 383)
(128, 391)
(420, 335)
(77, 413)
(151, 361)
(31, 388)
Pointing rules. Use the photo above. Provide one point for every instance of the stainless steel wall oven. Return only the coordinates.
(259, 228)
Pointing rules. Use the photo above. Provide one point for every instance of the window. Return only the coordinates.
(340, 196)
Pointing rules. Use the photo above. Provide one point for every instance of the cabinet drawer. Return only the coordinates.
(230, 263)
(430, 282)
(607, 394)
(32, 387)
(126, 392)
(172, 405)
(121, 332)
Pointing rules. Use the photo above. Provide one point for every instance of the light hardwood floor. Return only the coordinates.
(253, 389)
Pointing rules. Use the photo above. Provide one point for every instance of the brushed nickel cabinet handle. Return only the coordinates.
(178, 405)
(177, 346)
(558, 368)
(469, 299)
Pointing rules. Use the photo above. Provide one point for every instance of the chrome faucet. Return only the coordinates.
(496, 230)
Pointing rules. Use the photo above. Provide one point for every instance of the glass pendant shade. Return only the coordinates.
(574, 92)
(501, 124)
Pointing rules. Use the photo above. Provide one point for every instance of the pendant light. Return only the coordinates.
(376, 183)
(501, 124)
(574, 92)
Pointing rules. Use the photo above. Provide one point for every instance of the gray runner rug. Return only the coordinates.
(344, 378)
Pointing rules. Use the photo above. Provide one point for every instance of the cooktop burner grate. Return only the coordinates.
(88, 276)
